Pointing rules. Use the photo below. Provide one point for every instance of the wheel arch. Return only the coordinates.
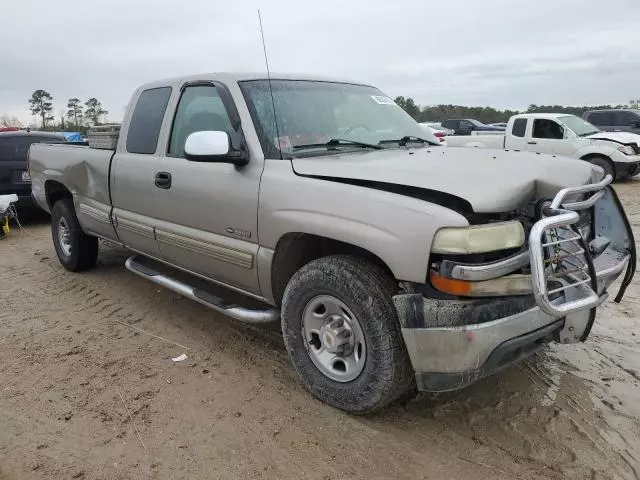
(296, 249)
(55, 191)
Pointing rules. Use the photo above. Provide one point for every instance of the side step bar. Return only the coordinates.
(208, 300)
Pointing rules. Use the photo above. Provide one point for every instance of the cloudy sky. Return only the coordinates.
(491, 52)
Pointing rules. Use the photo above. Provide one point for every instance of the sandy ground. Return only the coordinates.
(88, 390)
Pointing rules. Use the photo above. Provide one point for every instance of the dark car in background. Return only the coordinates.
(465, 126)
(615, 120)
(14, 172)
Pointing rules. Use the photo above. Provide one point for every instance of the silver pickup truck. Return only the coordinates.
(393, 264)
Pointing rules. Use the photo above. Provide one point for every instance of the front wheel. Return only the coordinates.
(343, 336)
(76, 250)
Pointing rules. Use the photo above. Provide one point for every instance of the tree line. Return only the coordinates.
(79, 115)
(438, 113)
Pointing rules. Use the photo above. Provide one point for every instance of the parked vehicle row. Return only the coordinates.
(618, 153)
(625, 120)
(391, 262)
(14, 172)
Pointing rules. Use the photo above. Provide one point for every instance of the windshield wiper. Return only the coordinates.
(589, 133)
(407, 139)
(337, 142)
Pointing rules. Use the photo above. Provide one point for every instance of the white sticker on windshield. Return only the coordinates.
(382, 100)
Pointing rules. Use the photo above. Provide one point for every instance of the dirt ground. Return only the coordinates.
(88, 390)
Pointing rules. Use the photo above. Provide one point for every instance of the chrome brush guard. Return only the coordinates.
(562, 270)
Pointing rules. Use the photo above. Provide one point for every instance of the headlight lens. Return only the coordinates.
(626, 149)
(479, 238)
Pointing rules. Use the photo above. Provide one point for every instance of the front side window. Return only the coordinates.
(313, 113)
(544, 128)
(146, 120)
(200, 109)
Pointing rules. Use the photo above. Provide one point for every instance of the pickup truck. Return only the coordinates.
(393, 264)
(618, 153)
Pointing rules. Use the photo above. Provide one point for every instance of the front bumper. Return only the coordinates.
(453, 343)
(627, 169)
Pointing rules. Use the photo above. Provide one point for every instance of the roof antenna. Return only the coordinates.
(273, 102)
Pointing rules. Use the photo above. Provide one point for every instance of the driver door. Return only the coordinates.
(207, 211)
(546, 136)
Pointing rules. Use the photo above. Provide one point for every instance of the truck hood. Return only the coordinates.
(490, 181)
(620, 137)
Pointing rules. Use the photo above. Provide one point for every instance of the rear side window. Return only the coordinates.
(624, 119)
(600, 118)
(146, 120)
(519, 127)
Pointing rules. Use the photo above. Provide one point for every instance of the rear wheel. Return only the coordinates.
(343, 336)
(605, 164)
(76, 250)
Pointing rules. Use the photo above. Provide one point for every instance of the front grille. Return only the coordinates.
(561, 267)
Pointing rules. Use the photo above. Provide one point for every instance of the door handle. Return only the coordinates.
(532, 143)
(163, 180)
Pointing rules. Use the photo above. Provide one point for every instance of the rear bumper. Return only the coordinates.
(24, 198)
(25, 201)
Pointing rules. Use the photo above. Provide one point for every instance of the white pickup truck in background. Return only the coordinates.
(618, 153)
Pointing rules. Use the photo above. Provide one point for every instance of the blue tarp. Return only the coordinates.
(72, 136)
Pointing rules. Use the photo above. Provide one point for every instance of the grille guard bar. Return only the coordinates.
(558, 215)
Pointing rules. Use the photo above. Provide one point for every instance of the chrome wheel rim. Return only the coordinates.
(333, 338)
(64, 236)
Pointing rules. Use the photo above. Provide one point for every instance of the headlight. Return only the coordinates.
(627, 150)
(479, 238)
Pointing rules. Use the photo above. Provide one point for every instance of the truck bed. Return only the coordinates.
(492, 140)
(84, 172)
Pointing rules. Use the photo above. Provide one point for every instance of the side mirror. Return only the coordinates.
(212, 146)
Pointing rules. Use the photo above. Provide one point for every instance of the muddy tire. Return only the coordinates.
(342, 334)
(76, 250)
(605, 164)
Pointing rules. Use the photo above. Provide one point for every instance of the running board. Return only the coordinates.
(208, 300)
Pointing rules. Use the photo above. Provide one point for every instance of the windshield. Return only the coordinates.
(311, 113)
(476, 122)
(579, 126)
